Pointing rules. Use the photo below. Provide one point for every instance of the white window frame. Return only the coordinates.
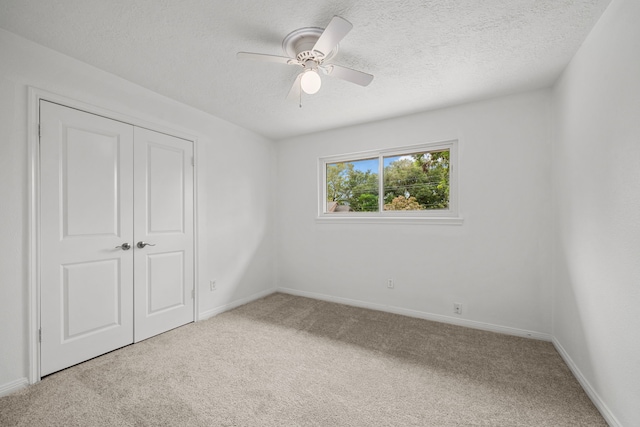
(449, 216)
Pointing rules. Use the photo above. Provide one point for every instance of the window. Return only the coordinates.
(417, 182)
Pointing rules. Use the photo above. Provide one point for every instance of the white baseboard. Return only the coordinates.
(13, 386)
(421, 315)
(233, 304)
(593, 395)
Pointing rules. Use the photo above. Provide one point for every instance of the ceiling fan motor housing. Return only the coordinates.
(299, 44)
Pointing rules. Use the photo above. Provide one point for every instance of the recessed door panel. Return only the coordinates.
(166, 287)
(92, 300)
(165, 188)
(90, 174)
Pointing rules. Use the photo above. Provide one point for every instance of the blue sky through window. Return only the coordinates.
(372, 164)
(366, 165)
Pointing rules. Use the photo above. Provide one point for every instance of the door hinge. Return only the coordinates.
(193, 161)
(39, 130)
(40, 335)
(193, 293)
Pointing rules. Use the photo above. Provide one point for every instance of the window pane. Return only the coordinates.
(415, 182)
(352, 186)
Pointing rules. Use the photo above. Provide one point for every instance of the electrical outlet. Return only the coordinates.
(457, 307)
(212, 285)
(390, 284)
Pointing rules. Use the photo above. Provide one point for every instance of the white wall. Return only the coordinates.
(234, 171)
(497, 263)
(596, 315)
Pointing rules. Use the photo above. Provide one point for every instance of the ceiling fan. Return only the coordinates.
(309, 48)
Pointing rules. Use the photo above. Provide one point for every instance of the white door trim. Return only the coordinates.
(33, 179)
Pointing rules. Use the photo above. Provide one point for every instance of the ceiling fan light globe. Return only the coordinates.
(310, 82)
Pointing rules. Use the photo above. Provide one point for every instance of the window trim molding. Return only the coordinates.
(448, 216)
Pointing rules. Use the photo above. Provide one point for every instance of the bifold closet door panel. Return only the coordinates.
(163, 223)
(86, 225)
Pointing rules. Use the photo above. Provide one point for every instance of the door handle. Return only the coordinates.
(124, 246)
(142, 244)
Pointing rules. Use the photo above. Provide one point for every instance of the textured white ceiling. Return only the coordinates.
(424, 54)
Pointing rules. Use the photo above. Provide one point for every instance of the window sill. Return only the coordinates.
(434, 220)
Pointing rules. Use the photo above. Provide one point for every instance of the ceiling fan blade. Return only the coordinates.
(335, 31)
(295, 92)
(267, 58)
(344, 73)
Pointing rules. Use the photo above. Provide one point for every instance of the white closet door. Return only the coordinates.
(86, 205)
(163, 218)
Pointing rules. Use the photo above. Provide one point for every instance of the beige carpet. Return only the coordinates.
(291, 361)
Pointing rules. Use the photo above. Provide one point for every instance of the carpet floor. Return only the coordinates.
(290, 361)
